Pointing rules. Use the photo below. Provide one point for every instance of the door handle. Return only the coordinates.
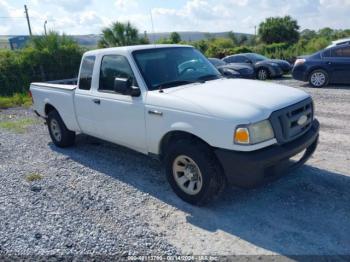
(155, 112)
(96, 101)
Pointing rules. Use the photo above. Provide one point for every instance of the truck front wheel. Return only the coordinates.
(60, 135)
(193, 172)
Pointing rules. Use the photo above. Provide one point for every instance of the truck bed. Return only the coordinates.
(51, 85)
(59, 95)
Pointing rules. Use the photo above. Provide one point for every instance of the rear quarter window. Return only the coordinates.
(86, 71)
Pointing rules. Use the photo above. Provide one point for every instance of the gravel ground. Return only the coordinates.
(99, 198)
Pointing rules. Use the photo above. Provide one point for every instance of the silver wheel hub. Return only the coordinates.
(187, 175)
(262, 74)
(318, 79)
(56, 130)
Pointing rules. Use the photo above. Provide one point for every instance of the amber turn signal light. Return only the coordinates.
(242, 136)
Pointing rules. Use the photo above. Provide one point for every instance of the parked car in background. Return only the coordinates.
(331, 65)
(264, 67)
(233, 70)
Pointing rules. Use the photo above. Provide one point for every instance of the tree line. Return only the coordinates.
(54, 56)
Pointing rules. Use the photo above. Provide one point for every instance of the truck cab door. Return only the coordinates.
(83, 98)
(118, 117)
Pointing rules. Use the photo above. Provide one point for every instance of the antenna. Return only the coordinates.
(154, 40)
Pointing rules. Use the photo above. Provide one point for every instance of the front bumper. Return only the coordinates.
(276, 72)
(287, 70)
(300, 73)
(250, 169)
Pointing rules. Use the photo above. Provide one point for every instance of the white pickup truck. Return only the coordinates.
(168, 101)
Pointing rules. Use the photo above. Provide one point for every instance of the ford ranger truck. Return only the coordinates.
(170, 102)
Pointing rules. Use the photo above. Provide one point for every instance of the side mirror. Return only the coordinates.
(124, 86)
(135, 91)
(248, 61)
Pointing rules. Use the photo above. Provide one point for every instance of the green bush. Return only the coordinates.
(241, 49)
(46, 58)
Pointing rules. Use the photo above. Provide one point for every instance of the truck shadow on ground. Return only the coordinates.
(306, 212)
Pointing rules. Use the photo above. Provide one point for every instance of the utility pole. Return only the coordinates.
(27, 16)
(45, 27)
(255, 31)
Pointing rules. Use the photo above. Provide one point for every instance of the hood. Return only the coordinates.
(231, 99)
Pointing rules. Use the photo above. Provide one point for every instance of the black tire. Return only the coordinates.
(66, 137)
(263, 74)
(318, 78)
(213, 180)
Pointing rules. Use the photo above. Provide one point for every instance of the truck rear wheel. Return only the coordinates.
(194, 172)
(60, 135)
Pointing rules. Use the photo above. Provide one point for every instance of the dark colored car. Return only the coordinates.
(331, 65)
(233, 70)
(264, 67)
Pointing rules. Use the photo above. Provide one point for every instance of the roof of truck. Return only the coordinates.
(130, 49)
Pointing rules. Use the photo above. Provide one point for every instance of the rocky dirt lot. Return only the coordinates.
(99, 198)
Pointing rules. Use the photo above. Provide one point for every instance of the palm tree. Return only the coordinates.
(120, 34)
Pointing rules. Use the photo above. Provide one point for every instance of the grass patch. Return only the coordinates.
(17, 126)
(15, 101)
(34, 177)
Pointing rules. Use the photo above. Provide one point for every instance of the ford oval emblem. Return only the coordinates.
(302, 120)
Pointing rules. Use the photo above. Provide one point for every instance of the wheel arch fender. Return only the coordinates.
(264, 66)
(48, 107)
(317, 67)
(179, 130)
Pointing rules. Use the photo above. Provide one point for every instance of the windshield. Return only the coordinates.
(256, 57)
(169, 67)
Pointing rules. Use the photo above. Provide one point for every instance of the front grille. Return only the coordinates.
(285, 121)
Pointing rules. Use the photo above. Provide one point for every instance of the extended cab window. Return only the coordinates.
(114, 66)
(86, 72)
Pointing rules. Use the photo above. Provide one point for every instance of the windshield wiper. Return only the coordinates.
(173, 83)
(208, 77)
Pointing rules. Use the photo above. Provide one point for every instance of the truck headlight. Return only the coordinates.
(254, 133)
